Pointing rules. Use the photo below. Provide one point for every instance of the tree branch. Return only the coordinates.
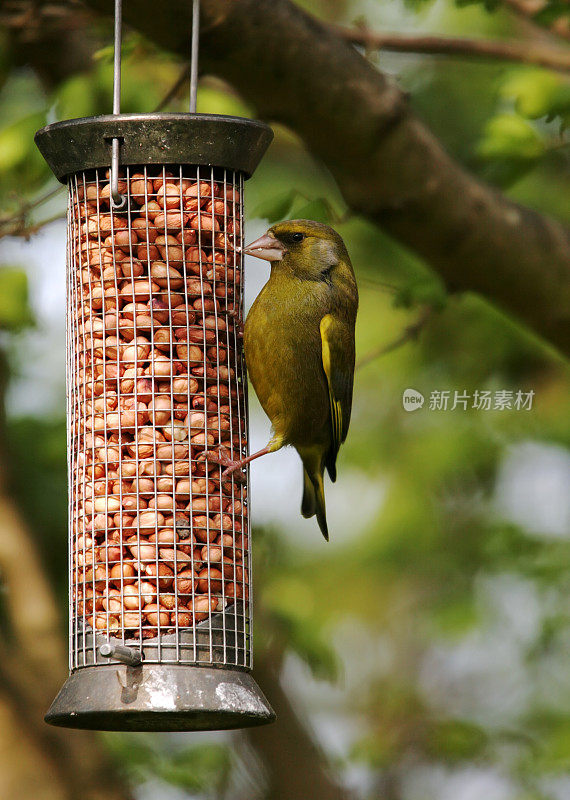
(528, 9)
(33, 667)
(18, 227)
(295, 763)
(175, 89)
(554, 58)
(388, 165)
(34, 35)
(409, 334)
(15, 223)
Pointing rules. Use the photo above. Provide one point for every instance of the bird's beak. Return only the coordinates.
(266, 247)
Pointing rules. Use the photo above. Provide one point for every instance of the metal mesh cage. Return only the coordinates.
(159, 557)
(159, 544)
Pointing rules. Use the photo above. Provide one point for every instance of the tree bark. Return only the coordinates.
(388, 165)
(296, 767)
(38, 762)
(42, 761)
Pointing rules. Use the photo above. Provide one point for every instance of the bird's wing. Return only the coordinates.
(338, 364)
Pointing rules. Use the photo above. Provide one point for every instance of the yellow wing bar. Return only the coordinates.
(335, 403)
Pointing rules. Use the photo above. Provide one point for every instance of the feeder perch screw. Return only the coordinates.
(126, 655)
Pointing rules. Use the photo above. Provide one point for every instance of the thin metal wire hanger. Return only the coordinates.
(119, 201)
(194, 54)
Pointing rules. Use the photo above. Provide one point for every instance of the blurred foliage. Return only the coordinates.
(438, 625)
(296, 205)
(15, 312)
(36, 449)
(520, 138)
(145, 73)
(203, 769)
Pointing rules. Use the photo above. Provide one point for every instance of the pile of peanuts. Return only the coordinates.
(156, 377)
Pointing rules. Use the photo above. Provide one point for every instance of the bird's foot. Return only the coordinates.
(233, 468)
(234, 314)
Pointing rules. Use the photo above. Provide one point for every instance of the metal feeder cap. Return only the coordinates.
(209, 140)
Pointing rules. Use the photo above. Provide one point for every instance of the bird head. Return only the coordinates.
(309, 249)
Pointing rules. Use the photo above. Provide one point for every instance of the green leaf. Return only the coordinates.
(13, 148)
(90, 93)
(553, 10)
(319, 210)
(512, 137)
(213, 100)
(533, 91)
(76, 97)
(202, 768)
(311, 646)
(293, 610)
(134, 754)
(15, 312)
(20, 160)
(539, 94)
(489, 5)
(455, 740)
(128, 749)
(128, 46)
(275, 208)
(428, 291)
(105, 53)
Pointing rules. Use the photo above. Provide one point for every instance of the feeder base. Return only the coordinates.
(159, 697)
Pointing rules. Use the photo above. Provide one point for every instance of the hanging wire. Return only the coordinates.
(194, 54)
(119, 200)
(117, 57)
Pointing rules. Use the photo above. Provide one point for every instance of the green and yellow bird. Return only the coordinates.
(299, 349)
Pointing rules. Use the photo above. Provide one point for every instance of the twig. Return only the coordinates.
(528, 9)
(25, 231)
(410, 333)
(554, 58)
(26, 207)
(175, 88)
(15, 224)
(380, 286)
(29, 206)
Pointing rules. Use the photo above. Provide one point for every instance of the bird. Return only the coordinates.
(299, 346)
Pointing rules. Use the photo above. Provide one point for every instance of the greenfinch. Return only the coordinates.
(299, 349)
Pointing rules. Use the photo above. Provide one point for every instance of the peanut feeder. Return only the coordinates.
(159, 561)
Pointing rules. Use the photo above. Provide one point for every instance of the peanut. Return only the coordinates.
(153, 327)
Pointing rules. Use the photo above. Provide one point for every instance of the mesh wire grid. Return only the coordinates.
(159, 544)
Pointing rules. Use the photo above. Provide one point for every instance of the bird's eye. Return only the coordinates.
(297, 237)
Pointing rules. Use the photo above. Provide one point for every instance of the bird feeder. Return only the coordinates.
(159, 544)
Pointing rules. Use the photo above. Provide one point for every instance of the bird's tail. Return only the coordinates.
(309, 502)
(314, 497)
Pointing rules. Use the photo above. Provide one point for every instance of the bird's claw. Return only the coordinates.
(233, 468)
(234, 471)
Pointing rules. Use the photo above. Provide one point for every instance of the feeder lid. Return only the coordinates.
(210, 140)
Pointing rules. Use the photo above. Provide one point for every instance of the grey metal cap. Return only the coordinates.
(199, 139)
(159, 697)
